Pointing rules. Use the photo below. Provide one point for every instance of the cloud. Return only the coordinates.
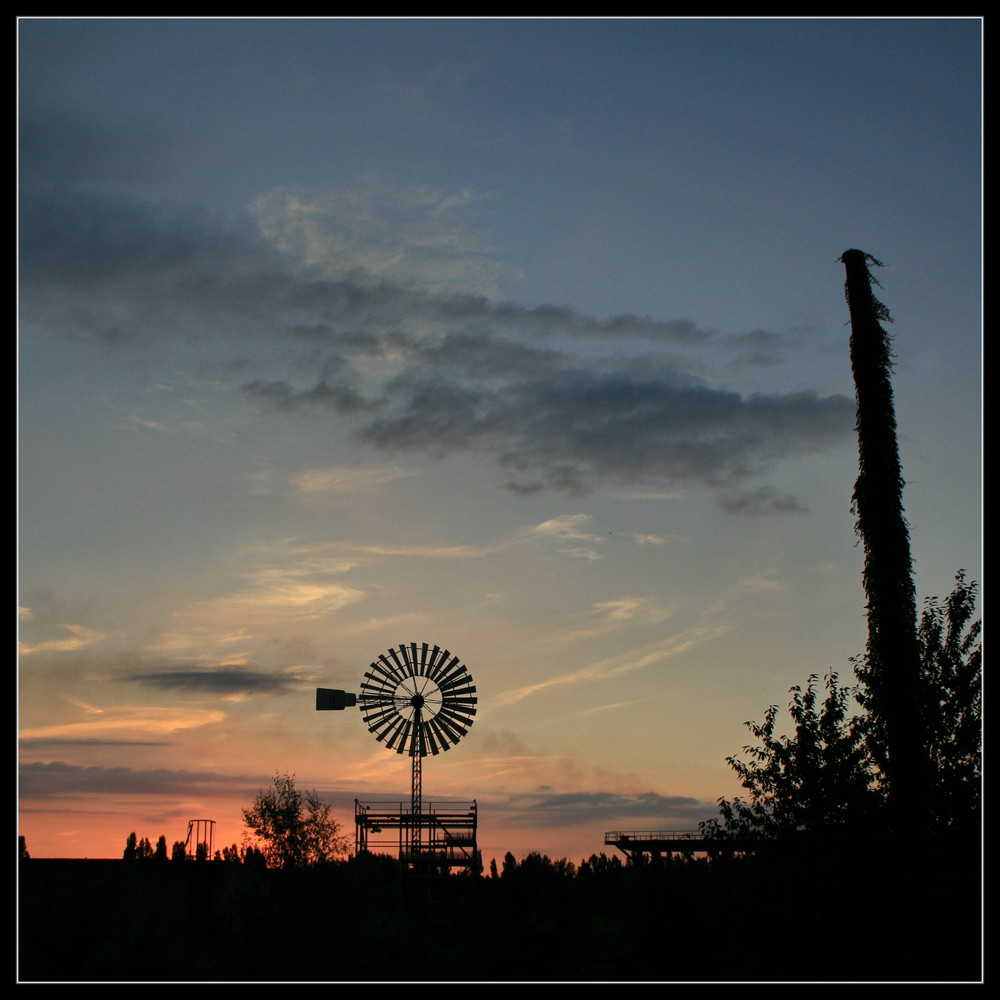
(60, 780)
(269, 594)
(546, 808)
(372, 306)
(623, 663)
(79, 637)
(131, 722)
(763, 500)
(346, 479)
(223, 683)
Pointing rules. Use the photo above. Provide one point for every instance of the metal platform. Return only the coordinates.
(666, 843)
(442, 835)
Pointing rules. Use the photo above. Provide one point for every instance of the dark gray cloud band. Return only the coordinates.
(219, 682)
(562, 400)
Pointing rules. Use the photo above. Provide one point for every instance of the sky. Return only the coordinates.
(526, 338)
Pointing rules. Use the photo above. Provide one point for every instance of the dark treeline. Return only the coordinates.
(816, 916)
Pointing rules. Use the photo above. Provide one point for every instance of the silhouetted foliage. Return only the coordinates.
(22, 849)
(178, 852)
(830, 775)
(950, 646)
(129, 854)
(599, 865)
(820, 779)
(293, 828)
(160, 853)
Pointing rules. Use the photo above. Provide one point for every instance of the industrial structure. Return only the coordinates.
(417, 699)
(640, 845)
(200, 831)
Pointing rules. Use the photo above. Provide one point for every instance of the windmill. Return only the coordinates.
(417, 699)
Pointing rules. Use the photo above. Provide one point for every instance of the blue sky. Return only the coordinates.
(524, 337)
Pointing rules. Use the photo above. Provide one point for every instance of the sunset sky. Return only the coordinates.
(522, 337)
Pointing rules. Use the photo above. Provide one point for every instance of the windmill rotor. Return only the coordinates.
(417, 699)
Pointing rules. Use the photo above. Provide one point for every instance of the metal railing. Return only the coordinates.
(614, 836)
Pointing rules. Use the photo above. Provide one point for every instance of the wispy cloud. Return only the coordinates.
(144, 721)
(346, 479)
(79, 637)
(624, 663)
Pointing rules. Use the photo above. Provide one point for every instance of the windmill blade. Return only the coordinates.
(408, 658)
(382, 720)
(457, 682)
(432, 736)
(381, 674)
(454, 718)
(402, 668)
(446, 734)
(453, 728)
(421, 661)
(446, 667)
(397, 738)
(413, 655)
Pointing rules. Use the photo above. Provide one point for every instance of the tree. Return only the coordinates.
(22, 849)
(129, 853)
(831, 775)
(160, 854)
(820, 780)
(178, 852)
(893, 656)
(293, 828)
(950, 705)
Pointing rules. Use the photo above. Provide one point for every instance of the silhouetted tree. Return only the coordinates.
(509, 865)
(293, 828)
(201, 851)
(22, 849)
(160, 854)
(129, 853)
(144, 850)
(493, 868)
(819, 780)
(253, 858)
(893, 656)
(949, 640)
(826, 777)
(475, 868)
(599, 864)
(178, 852)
